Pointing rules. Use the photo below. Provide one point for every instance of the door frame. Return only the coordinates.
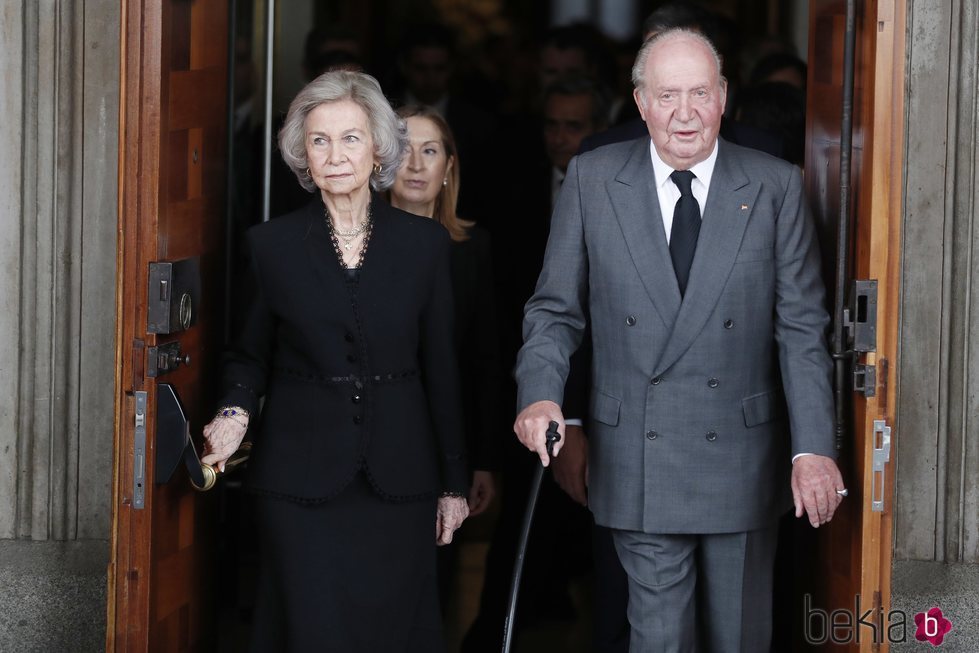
(855, 551)
(170, 207)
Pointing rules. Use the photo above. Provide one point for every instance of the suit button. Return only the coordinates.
(356, 419)
(728, 324)
(631, 320)
(655, 380)
(349, 337)
(355, 399)
(712, 382)
(711, 436)
(651, 435)
(351, 358)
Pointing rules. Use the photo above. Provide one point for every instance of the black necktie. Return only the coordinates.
(686, 228)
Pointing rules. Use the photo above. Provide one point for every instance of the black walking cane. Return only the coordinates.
(551, 436)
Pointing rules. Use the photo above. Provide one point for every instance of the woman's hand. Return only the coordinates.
(452, 511)
(222, 437)
(482, 492)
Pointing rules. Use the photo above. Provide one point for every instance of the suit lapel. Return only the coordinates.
(380, 258)
(332, 294)
(319, 248)
(634, 201)
(730, 201)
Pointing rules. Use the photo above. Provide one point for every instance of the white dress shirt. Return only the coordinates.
(668, 192)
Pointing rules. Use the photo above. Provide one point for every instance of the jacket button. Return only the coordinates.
(655, 380)
(631, 320)
(711, 436)
(712, 382)
(356, 419)
(728, 324)
(351, 358)
(349, 337)
(651, 435)
(355, 399)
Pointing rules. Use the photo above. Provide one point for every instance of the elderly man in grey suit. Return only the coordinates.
(696, 263)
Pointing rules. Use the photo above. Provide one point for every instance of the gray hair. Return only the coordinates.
(388, 131)
(639, 68)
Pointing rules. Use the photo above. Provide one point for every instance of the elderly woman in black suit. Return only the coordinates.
(349, 339)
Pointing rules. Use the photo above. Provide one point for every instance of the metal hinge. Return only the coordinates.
(882, 455)
(139, 452)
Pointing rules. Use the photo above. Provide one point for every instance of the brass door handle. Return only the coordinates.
(175, 446)
(212, 473)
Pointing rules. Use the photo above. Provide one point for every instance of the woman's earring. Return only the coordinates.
(445, 182)
(377, 168)
(308, 176)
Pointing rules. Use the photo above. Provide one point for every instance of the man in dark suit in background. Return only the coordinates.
(426, 64)
(703, 330)
(573, 108)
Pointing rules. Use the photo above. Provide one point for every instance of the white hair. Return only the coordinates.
(388, 131)
(639, 67)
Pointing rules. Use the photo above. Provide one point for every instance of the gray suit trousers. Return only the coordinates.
(699, 593)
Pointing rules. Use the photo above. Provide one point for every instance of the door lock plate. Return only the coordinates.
(882, 455)
(139, 453)
(865, 379)
(164, 358)
(173, 296)
(860, 316)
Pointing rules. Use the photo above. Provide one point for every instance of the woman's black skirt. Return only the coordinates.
(353, 574)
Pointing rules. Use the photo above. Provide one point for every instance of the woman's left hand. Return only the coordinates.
(482, 492)
(452, 511)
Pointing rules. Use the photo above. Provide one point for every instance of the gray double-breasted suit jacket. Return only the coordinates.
(697, 404)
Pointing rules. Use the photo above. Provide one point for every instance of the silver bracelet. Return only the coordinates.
(448, 494)
(234, 413)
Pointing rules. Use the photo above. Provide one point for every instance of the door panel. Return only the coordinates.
(852, 557)
(172, 187)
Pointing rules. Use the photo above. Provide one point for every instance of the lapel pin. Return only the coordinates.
(744, 207)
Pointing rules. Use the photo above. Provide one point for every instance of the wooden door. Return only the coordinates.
(852, 557)
(171, 207)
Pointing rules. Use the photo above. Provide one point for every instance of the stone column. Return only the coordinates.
(937, 449)
(59, 62)
(57, 267)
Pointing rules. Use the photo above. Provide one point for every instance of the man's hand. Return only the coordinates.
(532, 423)
(571, 467)
(815, 480)
(482, 492)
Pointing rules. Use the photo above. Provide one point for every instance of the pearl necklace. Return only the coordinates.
(348, 237)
